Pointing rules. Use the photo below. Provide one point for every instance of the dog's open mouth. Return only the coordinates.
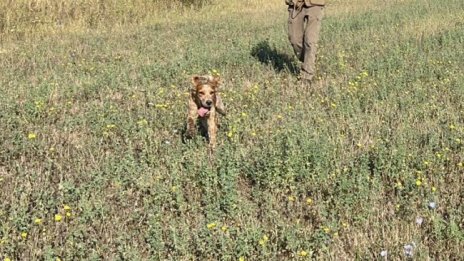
(202, 111)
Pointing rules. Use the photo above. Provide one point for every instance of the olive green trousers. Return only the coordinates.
(303, 32)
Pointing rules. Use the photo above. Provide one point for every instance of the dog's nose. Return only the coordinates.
(209, 102)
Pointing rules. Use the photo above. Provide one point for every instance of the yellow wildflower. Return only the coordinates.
(263, 240)
(58, 217)
(211, 225)
(31, 136)
(24, 235)
(309, 201)
(38, 221)
(418, 182)
(291, 198)
(142, 122)
(303, 253)
(326, 229)
(67, 208)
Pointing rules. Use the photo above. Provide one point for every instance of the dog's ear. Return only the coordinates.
(197, 80)
(215, 81)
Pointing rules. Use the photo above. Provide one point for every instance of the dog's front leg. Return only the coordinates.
(212, 129)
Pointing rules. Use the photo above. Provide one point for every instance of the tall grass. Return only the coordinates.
(30, 16)
(369, 161)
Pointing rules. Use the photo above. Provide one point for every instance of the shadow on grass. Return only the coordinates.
(271, 56)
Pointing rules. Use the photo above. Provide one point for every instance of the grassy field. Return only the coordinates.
(367, 165)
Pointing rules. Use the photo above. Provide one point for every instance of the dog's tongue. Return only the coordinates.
(202, 112)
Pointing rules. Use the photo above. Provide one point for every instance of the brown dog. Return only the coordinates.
(204, 106)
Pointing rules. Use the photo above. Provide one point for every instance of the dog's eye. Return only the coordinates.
(213, 93)
(202, 93)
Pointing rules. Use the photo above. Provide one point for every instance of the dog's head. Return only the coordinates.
(204, 90)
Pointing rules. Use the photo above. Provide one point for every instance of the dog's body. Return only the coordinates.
(203, 106)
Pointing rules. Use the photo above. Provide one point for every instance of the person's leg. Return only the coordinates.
(314, 16)
(296, 21)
